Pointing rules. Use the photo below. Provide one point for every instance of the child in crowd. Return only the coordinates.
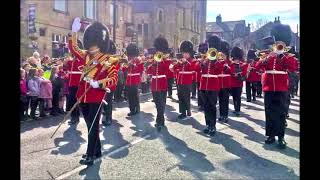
(45, 97)
(34, 91)
(26, 67)
(23, 94)
(64, 78)
(57, 90)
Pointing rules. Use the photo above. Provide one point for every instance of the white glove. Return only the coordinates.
(76, 25)
(94, 84)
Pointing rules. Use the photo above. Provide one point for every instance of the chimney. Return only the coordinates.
(219, 19)
(278, 19)
(275, 19)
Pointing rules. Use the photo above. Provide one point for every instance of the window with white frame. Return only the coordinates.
(111, 13)
(60, 5)
(90, 9)
(56, 38)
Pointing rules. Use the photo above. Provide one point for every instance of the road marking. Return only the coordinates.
(81, 167)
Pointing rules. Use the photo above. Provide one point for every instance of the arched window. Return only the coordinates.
(160, 15)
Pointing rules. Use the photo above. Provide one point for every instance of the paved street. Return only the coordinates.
(132, 148)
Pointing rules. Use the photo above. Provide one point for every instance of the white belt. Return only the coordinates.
(186, 72)
(134, 74)
(159, 76)
(275, 72)
(209, 75)
(223, 75)
(75, 72)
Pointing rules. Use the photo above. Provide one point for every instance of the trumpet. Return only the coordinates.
(159, 56)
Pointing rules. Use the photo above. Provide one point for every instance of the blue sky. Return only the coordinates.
(252, 10)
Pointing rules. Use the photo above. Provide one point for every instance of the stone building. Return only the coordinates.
(173, 19)
(231, 31)
(53, 21)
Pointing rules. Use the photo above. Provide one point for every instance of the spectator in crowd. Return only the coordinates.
(46, 63)
(23, 94)
(62, 75)
(34, 60)
(34, 91)
(57, 90)
(26, 67)
(45, 97)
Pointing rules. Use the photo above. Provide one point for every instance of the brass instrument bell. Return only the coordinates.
(212, 54)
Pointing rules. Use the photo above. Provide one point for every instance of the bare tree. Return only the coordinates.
(259, 23)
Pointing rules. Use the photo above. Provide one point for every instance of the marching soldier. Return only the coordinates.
(170, 75)
(239, 72)
(109, 97)
(209, 87)
(275, 86)
(74, 73)
(158, 70)
(99, 74)
(202, 49)
(184, 72)
(74, 70)
(133, 80)
(252, 77)
(225, 82)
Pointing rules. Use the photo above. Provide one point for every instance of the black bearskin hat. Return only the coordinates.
(203, 48)
(96, 34)
(132, 50)
(161, 44)
(225, 48)
(80, 45)
(187, 47)
(214, 42)
(112, 48)
(282, 33)
(237, 53)
(251, 54)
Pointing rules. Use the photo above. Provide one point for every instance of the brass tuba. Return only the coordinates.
(212, 54)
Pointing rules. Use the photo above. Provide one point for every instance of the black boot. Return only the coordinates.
(188, 113)
(73, 120)
(87, 161)
(285, 124)
(270, 140)
(282, 144)
(220, 119)
(131, 113)
(225, 119)
(182, 116)
(212, 131)
(206, 130)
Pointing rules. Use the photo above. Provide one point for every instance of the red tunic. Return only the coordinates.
(225, 76)
(253, 75)
(235, 82)
(196, 70)
(184, 72)
(74, 70)
(276, 77)
(134, 72)
(170, 74)
(209, 79)
(158, 72)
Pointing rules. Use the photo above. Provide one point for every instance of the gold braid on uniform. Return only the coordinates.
(112, 76)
